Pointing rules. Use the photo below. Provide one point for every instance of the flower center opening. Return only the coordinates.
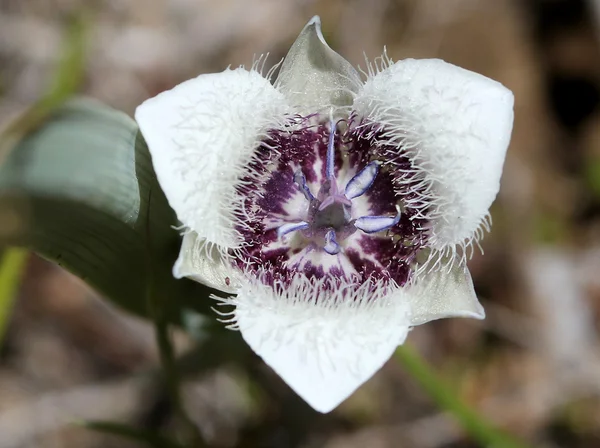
(331, 217)
(329, 214)
(326, 200)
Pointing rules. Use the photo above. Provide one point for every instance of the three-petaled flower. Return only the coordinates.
(338, 212)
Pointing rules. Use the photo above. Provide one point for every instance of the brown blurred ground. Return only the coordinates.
(532, 367)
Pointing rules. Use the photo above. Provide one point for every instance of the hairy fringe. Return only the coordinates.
(390, 127)
(307, 299)
(227, 205)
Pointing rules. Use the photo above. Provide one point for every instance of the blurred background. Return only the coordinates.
(532, 367)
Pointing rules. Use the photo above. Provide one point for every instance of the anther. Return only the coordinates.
(374, 224)
(331, 245)
(291, 227)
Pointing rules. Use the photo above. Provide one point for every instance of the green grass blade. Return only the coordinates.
(11, 270)
(66, 80)
(471, 421)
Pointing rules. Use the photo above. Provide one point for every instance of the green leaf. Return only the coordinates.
(149, 438)
(83, 193)
(11, 270)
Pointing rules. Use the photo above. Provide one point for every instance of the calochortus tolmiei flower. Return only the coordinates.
(336, 212)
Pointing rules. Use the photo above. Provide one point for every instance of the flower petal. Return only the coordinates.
(202, 135)
(323, 344)
(204, 263)
(314, 77)
(443, 294)
(455, 126)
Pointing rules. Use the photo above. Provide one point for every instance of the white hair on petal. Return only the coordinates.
(378, 65)
(202, 135)
(204, 249)
(324, 337)
(309, 298)
(259, 63)
(454, 127)
(223, 176)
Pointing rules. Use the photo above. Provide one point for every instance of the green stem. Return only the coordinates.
(192, 435)
(158, 310)
(11, 272)
(472, 422)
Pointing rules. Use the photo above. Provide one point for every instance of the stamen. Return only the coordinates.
(374, 224)
(331, 245)
(361, 182)
(300, 180)
(291, 227)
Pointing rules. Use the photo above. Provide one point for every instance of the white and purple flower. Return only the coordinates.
(338, 212)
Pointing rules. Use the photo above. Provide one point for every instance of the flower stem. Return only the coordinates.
(192, 435)
(471, 421)
(158, 309)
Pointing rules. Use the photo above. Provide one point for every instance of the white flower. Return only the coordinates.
(337, 211)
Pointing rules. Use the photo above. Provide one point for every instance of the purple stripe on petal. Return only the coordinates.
(359, 184)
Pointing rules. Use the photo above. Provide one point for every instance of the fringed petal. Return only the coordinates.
(202, 136)
(455, 126)
(324, 339)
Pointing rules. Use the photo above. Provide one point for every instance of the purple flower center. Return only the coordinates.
(329, 214)
(327, 199)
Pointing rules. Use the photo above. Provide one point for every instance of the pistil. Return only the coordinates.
(330, 212)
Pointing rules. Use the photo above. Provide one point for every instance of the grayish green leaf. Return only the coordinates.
(81, 191)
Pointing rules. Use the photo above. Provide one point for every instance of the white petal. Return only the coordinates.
(455, 125)
(201, 135)
(443, 294)
(323, 345)
(205, 263)
(313, 76)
